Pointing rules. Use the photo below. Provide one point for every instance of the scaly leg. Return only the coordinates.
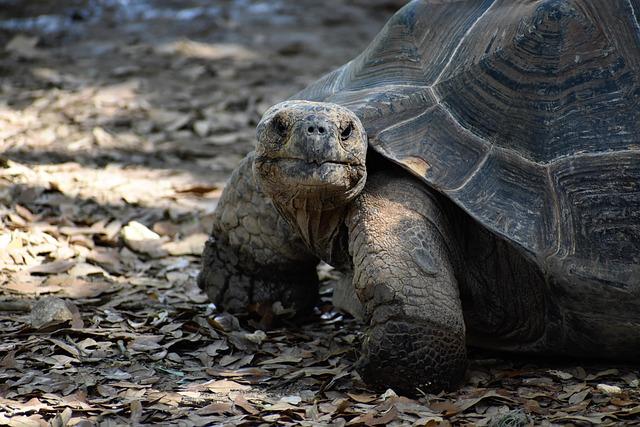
(253, 255)
(403, 259)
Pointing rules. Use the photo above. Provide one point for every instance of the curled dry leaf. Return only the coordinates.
(141, 239)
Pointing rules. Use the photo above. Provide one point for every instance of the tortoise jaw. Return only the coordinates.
(313, 163)
(318, 185)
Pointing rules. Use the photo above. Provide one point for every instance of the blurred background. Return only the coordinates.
(159, 82)
(113, 111)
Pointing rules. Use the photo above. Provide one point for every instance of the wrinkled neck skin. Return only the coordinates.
(320, 229)
(318, 216)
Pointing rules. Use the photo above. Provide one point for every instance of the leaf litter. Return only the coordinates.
(116, 144)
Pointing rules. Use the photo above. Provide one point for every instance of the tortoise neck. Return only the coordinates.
(321, 230)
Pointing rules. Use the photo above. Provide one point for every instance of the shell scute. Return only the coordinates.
(524, 113)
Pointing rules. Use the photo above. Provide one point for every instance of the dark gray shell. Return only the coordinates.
(525, 113)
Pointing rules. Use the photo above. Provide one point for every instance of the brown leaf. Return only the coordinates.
(618, 401)
(281, 359)
(462, 405)
(9, 360)
(23, 46)
(106, 258)
(140, 239)
(245, 404)
(371, 418)
(216, 408)
(192, 245)
(136, 411)
(594, 419)
(386, 418)
(25, 213)
(24, 283)
(198, 189)
(579, 397)
(282, 407)
(225, 386)
(363, 398)
(146, 343)
(61, 420)
(66, 347)
(83, 269)
(605, 373)
(73, 287)
(533, 406)
(54, 267)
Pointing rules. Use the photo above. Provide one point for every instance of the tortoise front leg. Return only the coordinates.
(402, 255)
(253, 255)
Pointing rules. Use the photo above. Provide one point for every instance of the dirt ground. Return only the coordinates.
(119, 122)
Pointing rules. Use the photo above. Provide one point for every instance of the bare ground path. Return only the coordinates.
(119, 123)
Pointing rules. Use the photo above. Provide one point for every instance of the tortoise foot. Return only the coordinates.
(412, 357)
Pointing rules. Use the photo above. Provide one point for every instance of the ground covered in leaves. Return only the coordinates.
(119, 123)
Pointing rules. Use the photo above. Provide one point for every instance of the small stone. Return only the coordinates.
(202, 128)
(609, 389)
(51, 311)
(256, 337)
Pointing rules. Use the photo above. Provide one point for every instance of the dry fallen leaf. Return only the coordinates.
(54, 267)
(141, 239)
(23, 46)
(225, 386)
(192, 245)
(242, 402)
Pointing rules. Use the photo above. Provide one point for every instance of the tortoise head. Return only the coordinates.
(310, 155)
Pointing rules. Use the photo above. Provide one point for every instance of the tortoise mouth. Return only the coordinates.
(297, 172)
(317, 163)
(319, 182)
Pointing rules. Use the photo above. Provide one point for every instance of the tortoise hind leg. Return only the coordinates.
(253, 256)
(403, 260)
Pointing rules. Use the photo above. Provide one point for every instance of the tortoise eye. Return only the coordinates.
(280, 126)
(346, 132)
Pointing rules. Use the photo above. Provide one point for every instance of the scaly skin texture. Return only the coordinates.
(403, 265)
(253, 255)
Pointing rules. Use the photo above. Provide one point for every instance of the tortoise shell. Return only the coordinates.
(525, 113)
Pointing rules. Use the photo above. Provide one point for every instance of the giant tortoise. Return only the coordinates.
(475, 172)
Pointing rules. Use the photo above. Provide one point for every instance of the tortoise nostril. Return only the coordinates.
(321, 129)
(310, 129)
